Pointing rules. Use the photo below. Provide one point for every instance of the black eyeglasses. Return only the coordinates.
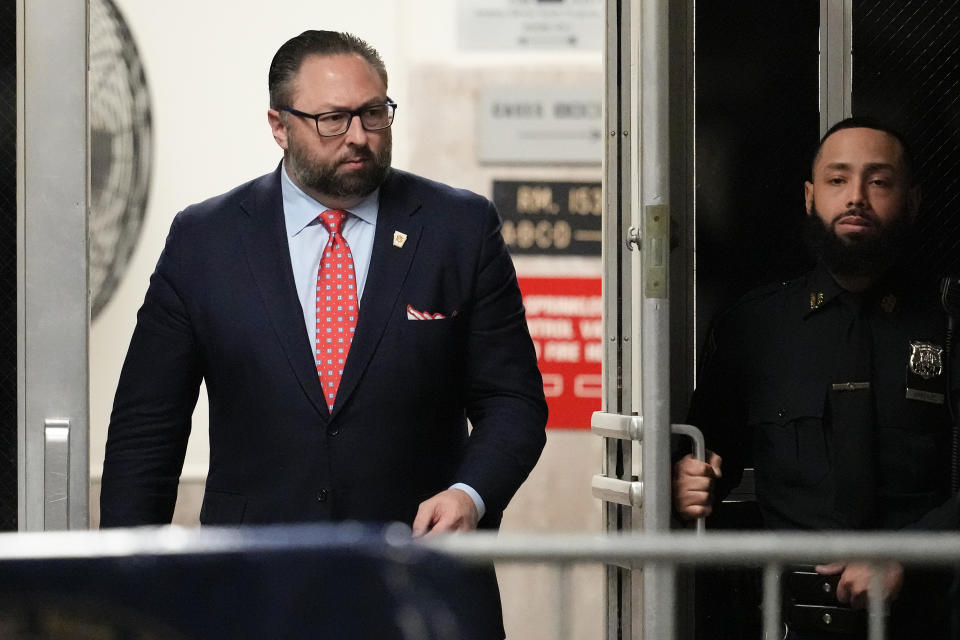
(336, 123)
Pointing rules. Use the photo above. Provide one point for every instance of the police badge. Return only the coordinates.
(925, 364)
(926, 359)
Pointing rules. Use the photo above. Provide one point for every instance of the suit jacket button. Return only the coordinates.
(322, 495)
(334, 431)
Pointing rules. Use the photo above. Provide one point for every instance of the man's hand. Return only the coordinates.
(450, 510)
(693, 485)
(854, 586)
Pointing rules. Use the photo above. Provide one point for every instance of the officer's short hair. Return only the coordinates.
(866, 122)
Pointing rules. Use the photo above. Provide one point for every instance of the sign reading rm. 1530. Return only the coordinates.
(550, 218)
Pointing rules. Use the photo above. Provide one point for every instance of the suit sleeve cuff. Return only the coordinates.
(477, 500)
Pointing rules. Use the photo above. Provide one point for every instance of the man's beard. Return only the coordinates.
(323, 177)
(869, 255)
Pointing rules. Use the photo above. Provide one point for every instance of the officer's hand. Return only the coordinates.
(693, 485)
(450, 510)
(854, 586)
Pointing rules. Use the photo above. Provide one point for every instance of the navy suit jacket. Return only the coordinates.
(222, 307)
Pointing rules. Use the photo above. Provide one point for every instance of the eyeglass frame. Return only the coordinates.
(355, 113)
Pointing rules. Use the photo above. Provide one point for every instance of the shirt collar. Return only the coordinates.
(301, 211)
(820, 291)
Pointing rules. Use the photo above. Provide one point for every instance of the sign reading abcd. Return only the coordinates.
(550, 218)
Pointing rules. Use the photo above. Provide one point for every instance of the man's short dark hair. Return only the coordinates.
(864, 122)
(286, 62)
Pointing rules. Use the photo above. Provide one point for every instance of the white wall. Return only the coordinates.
(206, 64)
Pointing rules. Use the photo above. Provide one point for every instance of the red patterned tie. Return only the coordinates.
(336, 305)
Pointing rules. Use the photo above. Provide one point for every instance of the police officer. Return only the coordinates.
(834, 386)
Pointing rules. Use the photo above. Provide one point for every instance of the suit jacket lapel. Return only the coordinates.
(389, 266)
(265, 243)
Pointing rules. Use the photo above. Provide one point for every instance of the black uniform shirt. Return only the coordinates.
(770, 388)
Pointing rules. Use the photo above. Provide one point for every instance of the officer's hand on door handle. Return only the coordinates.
(693, 482)
(854, 585)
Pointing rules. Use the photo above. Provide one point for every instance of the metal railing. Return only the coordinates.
(770, 550)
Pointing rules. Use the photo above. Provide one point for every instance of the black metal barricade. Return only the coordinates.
(301, 581)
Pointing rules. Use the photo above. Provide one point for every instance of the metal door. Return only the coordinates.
(651, 245)
(647, 179)
(52, 305)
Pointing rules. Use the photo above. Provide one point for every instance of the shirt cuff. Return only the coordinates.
(477, 500)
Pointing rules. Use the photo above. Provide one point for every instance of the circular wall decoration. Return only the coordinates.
(120, 150)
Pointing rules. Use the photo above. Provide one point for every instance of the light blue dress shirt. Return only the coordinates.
(307, 238)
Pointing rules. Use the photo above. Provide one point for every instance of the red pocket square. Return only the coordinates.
(414, 314)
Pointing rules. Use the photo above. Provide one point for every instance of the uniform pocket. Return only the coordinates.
(789, 437)
(914, 461)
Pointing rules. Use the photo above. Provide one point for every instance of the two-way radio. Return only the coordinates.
(950, 299)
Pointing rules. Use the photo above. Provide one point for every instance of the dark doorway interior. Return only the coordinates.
(757, 122)
(8, 266)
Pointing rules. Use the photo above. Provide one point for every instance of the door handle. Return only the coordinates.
(630, 493)
(56, 474)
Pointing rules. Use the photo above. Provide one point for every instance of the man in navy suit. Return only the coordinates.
(439, 335)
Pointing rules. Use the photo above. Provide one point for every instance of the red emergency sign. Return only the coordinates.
(564, 316)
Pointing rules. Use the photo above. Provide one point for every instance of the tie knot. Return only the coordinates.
(853, 302)
(333, 220)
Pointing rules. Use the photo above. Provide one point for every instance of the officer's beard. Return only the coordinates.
(869, 255)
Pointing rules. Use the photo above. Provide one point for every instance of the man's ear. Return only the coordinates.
(808, 196)
(914, 197)
(278, 126)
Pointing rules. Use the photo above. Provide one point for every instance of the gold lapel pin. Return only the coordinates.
(816, 299)
(398, 239)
